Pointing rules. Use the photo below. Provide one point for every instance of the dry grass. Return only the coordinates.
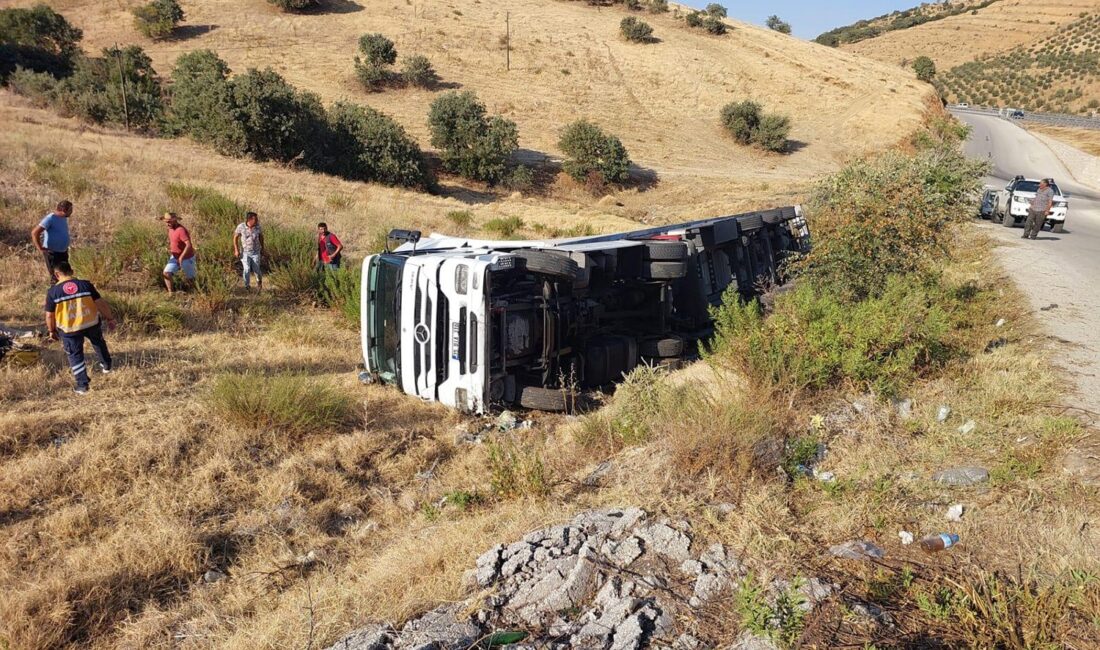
(1087, 140)
(958, 39)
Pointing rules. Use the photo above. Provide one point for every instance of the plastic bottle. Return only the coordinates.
(939, 542)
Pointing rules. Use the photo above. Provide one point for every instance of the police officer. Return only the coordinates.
(75, 311)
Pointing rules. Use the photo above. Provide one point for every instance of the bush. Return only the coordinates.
(716, 10)
(367, 145)
(694, 19)
(635, 31)
(925, 68)
(146, 313)
(289, 404)
(521, 179)
(378, 55)
(517, 470)
(291, 257)
(38, 39)
(100, 267)
(771, 133)
(813, 339)
(714, 25)
(340, 290)
(470, 143)
(741, 120)
(418, 71)
(658, 6)
(94, 92)
(158, 19)
(37, 86)
(461, 218)
(774, 23)
(591, 152)
(296, 5)
(273, 121)
(201, 102)
(506, 227)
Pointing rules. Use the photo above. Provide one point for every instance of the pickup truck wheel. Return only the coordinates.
(672, 346)
(552, 264)
(546, 399)
(1008, 220)
(1057, 227)
(664, 270)
(666, 251)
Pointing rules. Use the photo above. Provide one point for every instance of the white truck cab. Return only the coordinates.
(1011, 204)
(476, 323)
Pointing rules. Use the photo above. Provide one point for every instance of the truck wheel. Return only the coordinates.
(552, 264)
(672, 346)
(666, 251)
(664, 270)
(545, 399)
(1057, 227)
(1008, 220)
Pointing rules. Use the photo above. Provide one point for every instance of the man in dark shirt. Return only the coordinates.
(74, 312)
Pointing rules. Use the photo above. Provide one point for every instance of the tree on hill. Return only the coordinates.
(594, 157)
(363, 144)
(379, 54)
(158, 19)
(38, 39)
(925, 68)
(636, 31)
(418, 71)
(774, 23)
(201, 104)
(98, 91)
(296, 5)
(716, 10)
(471, 143)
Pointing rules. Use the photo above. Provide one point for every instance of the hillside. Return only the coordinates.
(1060, 73)
(994, 29)
(898, 20)
(568, 61)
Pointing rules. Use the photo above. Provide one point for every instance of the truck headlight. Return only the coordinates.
(462, 274)
(1061, 204)
(1019, 199)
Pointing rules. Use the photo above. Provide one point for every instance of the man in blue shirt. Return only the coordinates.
(51, 236)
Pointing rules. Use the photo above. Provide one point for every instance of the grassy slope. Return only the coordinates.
(1087, 140)
(958, 39)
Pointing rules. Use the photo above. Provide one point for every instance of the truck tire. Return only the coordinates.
(672, 346)
(545, 399)
(1057, 227)
(1008, 221)
(664, 270)
(666, 251)
(552, 264)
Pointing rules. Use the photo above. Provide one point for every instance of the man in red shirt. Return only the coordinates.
(181, 252)
(328, 248)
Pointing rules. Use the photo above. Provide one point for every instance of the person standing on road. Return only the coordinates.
(248, 245)
(51, 236)
(328, 248)
(1037, 212)
(75, 311)
(181, 252)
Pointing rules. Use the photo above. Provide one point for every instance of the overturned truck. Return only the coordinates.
(477, 323)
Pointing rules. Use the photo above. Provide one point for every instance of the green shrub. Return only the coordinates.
(520, 179)
(635, 31)
(38, 39)
(925, 68)
(217, 211)
(379, 54)
(94, 92)
(775, 23)
(741, 119)
(288, 404)
(364, 144)
(771, 133)
(813, 339)
(461, 218)
(517, 470)
(158, 19)
(716, 10)
(201, 102)
(590, 152)
(506, 227)
(276, 122)
(291, 257)
(470, 143)
(101, 267)
(134, 239)
(657, 6)
(213, 288)
(296, 5)
(146, 313)
(418, 71)
(339, 290)
(714, 25)
(37, 86)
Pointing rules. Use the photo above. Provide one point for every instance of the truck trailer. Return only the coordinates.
(477, 324)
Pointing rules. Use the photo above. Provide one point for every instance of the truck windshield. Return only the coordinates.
(1033, 186)
(385, 315)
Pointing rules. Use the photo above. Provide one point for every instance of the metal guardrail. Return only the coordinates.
(1054, 119)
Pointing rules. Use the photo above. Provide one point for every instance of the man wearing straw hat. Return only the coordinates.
(181, 252)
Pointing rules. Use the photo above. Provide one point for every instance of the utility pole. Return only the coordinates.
(122, 81)
(507, 40)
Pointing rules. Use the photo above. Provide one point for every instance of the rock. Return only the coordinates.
(611, 522)
(825, 477)
(904, 408)
(873, 612)
(488, 566)
(626, 551)
(906, 537)
(943, 413)
(371, 637)
(632, 633)
(597, 475)
(723, 510)
(814, 591)
(955, 512)
(857, 549)
(749, 641)
(961, 476)
(506, 421)
(717, 558)
(212, 576)
(996, 343)
(969, 426)
(1000, 322)
(687, 642)
(1052, 306)
(443, 628)
(692, 568)
(667, 541)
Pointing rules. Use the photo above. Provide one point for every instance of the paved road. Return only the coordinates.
(1056, 269)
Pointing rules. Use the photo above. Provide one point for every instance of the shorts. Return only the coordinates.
(174, 266)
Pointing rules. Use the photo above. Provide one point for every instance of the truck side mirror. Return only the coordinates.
(402, 237)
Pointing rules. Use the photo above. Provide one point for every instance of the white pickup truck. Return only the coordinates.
(475, 323)
(1009, 206)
